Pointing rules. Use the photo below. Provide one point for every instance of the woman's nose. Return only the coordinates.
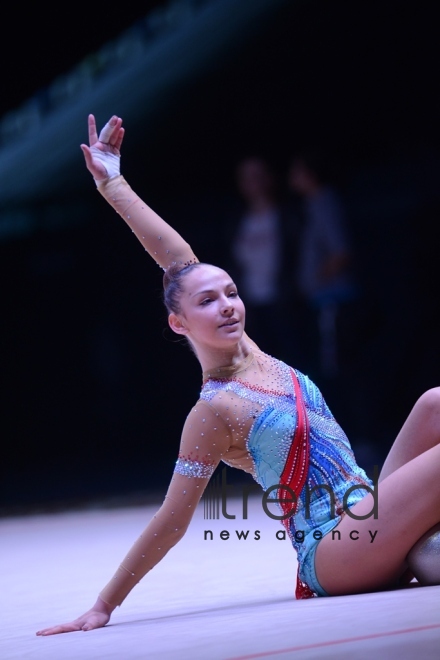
(227, 305)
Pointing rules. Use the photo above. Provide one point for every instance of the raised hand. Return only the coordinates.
(102, 154)
(97, 617)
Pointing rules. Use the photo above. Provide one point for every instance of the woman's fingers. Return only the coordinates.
(89, 621)
(93, 135)
(119, 138)
(107, 130)
(110, 133)
(56, 630)
(87, 155)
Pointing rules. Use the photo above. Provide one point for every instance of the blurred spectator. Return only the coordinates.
(324, 278)
(260, 250)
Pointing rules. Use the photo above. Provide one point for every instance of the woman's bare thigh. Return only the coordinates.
(370, 553)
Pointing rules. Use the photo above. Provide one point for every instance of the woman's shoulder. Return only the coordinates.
(205, 427)
(207, 412)
(212, 401)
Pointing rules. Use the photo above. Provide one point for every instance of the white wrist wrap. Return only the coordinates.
(110, 161)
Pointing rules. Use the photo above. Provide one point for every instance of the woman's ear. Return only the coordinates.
(176, 324)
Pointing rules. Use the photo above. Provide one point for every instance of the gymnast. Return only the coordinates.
(258, 414)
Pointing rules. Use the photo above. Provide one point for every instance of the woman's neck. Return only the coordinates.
(212, 358)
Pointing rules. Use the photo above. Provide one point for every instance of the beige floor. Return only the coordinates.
(219, 600)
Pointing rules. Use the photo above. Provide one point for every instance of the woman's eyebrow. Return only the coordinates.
(197, 293)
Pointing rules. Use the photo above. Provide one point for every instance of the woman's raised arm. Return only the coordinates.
(102, 157)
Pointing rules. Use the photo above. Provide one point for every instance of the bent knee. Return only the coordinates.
(430, 401)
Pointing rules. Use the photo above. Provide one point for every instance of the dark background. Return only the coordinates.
(95, 388)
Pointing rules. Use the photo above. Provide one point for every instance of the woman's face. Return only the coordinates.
(212, 313)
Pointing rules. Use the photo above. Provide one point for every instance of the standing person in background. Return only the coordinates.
(260, 252)
(324, 277)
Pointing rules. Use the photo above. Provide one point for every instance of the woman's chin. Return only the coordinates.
(227, 341)
(235, 329)
(233, 334)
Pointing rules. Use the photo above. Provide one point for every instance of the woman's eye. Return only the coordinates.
(233, 294)
(205, 301)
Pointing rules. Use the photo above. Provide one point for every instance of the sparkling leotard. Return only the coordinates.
(260, 392)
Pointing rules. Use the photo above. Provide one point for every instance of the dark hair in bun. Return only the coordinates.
(173, 285)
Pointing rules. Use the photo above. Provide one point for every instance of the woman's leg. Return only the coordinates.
(370, 554)
(420, 432)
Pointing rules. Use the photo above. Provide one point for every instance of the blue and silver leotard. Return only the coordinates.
(262, 392)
